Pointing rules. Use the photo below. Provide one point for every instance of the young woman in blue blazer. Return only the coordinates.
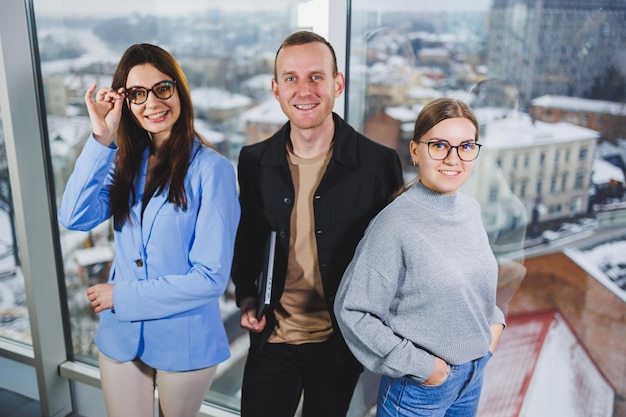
(175, 212)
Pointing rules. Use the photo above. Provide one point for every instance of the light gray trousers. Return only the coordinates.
(129, 388)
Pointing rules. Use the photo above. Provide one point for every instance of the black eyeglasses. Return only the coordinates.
(440, 149)
(162, 90)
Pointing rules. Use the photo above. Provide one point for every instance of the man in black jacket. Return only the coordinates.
(317, 183)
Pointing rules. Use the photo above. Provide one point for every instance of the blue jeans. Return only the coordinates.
(457, 396)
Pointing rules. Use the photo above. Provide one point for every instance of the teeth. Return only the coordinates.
(305, 106)
(156, 116)
(449, 172)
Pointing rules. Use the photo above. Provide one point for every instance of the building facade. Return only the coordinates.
(558, 47)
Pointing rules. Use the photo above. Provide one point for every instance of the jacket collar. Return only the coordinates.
(344, 145)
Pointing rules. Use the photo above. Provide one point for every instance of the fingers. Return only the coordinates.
(89, 94)
(108, 95)
(100, 297)
(250, 322)
(93, 299)
(92, 296)
(103, 95)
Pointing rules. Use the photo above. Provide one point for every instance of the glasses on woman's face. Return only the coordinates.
(440, 149)
(162, 90)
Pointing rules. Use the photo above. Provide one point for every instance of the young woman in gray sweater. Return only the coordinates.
(417, 303)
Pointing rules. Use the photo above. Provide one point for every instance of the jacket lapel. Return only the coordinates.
(156, 202)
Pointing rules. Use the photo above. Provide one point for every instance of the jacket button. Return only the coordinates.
(286, 200)
(139, 263)
(282, 234)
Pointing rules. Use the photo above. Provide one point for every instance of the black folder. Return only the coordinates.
(266, 276)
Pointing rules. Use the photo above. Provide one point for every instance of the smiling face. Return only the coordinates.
(445, 176)
(305, 85)
(155, 115)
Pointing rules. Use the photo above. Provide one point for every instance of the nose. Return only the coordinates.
(453, 156)
(304, 89)
(151, 99)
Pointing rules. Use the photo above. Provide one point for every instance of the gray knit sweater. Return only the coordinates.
(422, 282)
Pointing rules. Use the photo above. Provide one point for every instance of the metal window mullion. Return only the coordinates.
(26, 155)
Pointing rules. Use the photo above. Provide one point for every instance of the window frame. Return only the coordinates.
(48, 374)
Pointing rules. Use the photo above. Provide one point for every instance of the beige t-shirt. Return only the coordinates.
(302, 313)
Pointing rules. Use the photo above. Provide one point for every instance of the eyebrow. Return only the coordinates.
(447, 141)
(153, 85)
(315, 72)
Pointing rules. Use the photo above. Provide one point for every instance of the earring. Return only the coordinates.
(414, 163)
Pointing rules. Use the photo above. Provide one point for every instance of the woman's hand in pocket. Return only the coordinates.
(440, 374)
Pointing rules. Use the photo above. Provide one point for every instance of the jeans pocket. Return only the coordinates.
(439, 384)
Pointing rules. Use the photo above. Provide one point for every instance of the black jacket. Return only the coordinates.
(358, 182)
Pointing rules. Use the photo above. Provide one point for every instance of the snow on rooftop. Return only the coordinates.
(71, 130)
(603, 172)
(603, 261)
(95, 255)
(541, 369)
(204, 128)
(581, 104)
(96, 50)
(521, 132)
(434, 52)
(605, 149)
(259, 82)
(218, 98)
(266, 112)
(402, 113)
(424, 92)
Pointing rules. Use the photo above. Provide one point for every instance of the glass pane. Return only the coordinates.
(14, 322)
(226, 50)
(548, 90)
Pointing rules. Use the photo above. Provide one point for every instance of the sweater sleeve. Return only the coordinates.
(362, 305)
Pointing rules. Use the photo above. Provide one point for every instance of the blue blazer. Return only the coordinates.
(170, 268)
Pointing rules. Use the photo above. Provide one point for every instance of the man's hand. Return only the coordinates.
(248, 316)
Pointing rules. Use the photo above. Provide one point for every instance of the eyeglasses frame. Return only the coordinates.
(150, 90)
(427, 143)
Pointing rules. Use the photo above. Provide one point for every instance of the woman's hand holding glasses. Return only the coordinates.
(105, 112)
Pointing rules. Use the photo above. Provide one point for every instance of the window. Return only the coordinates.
(582, 156)
(14, 320)
(226, 51)
(400, 56)
(557, 156)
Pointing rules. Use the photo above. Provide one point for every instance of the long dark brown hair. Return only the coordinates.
(173, 159)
